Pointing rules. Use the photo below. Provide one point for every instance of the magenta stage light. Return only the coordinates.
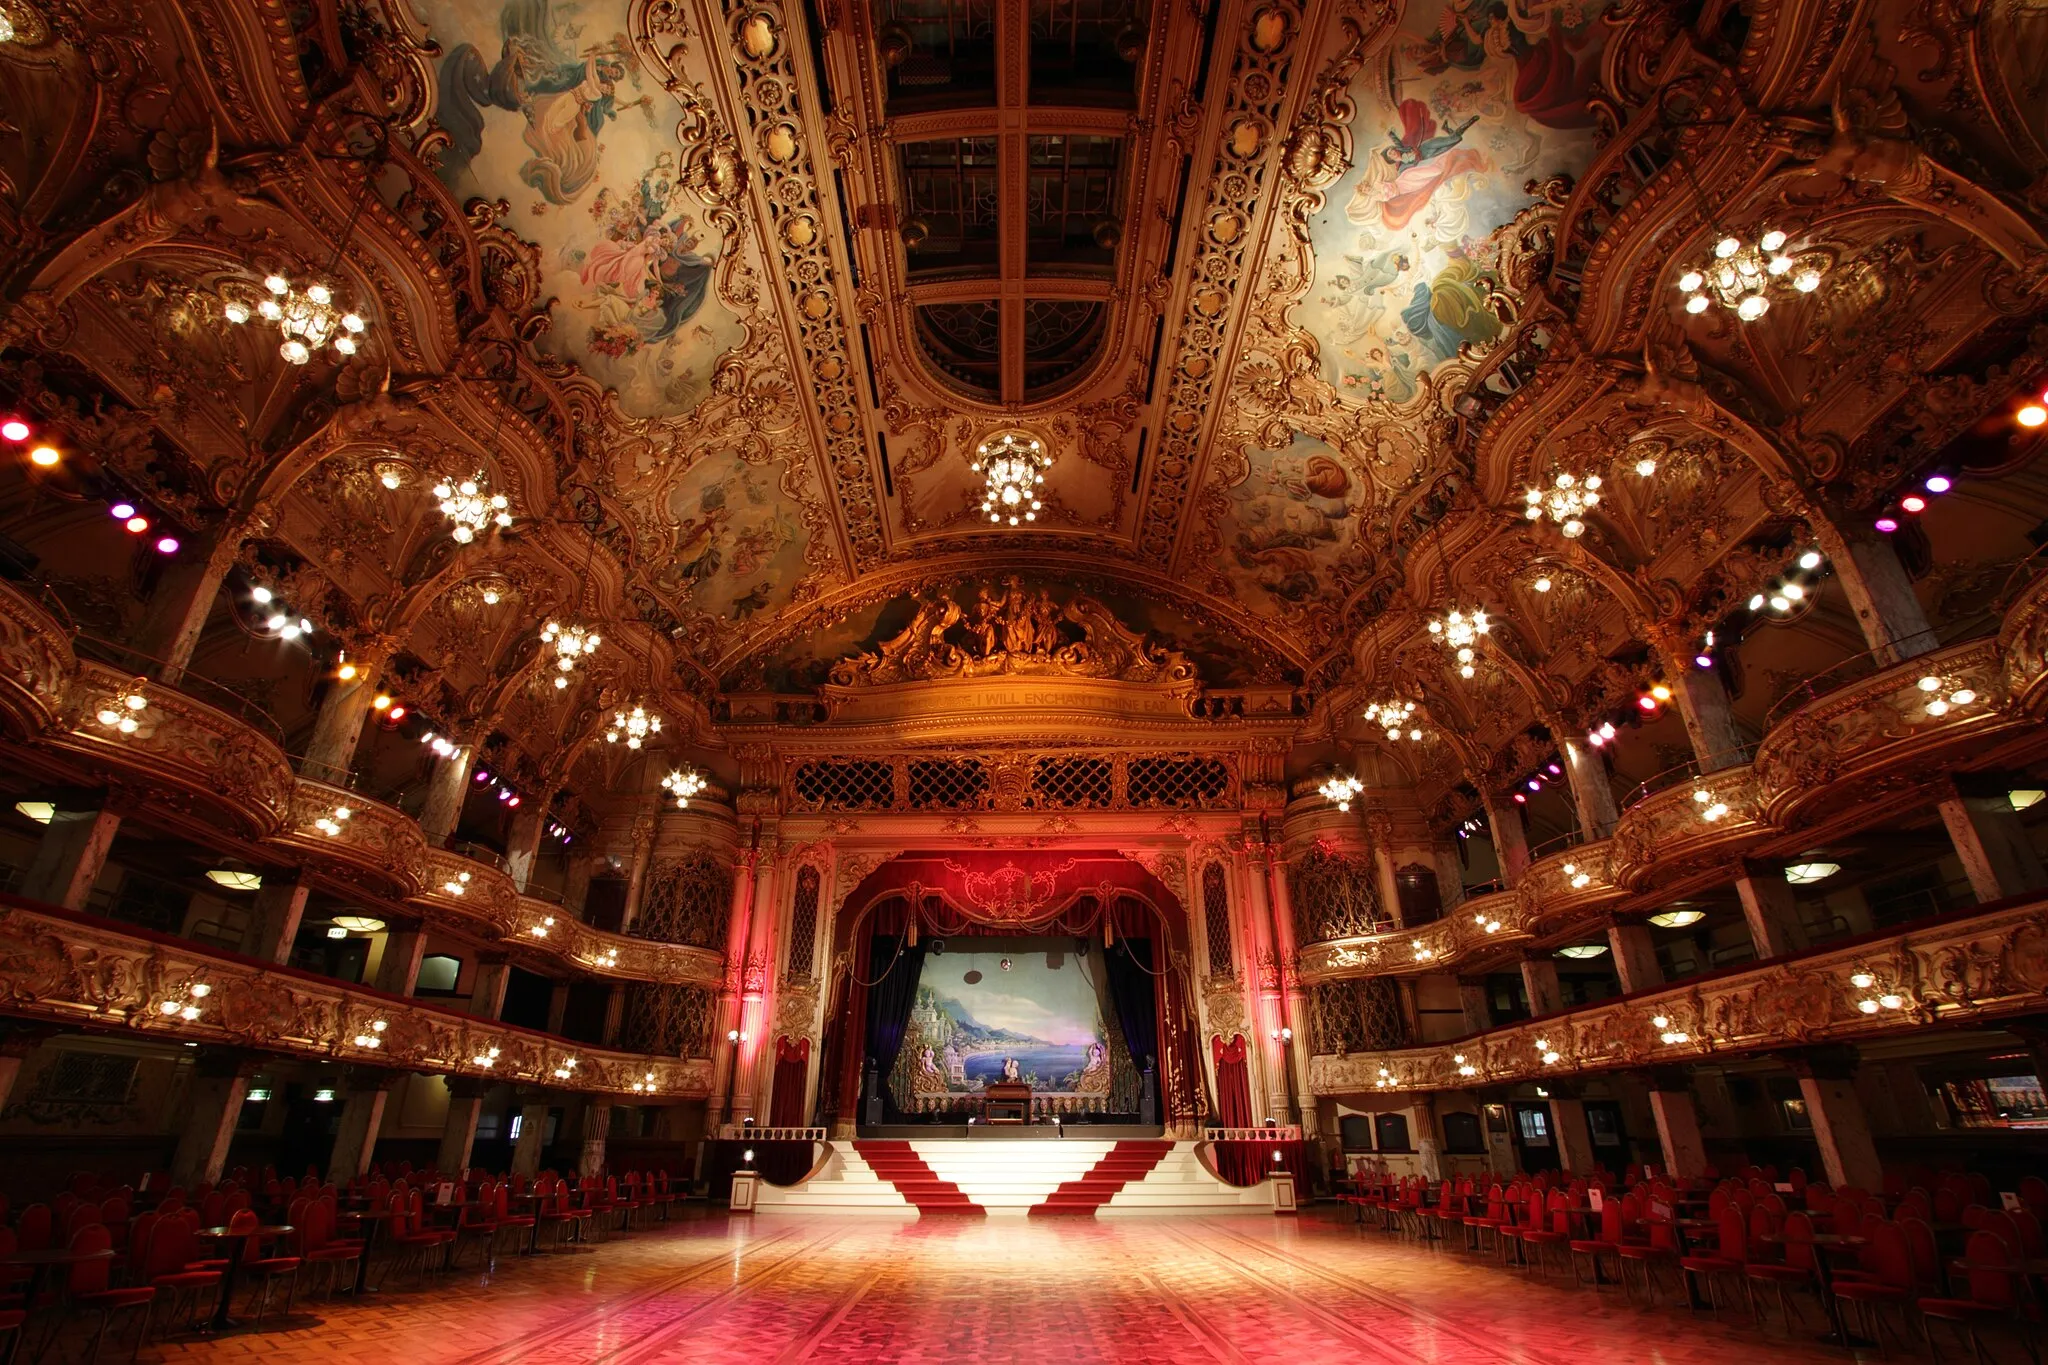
(1887, 524)
(121, 511)
(167, 546)
(1703, 660)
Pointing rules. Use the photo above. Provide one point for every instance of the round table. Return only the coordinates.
(238, 1239)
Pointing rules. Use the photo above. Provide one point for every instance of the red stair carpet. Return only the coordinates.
(896, 1163)
(1123, 1163)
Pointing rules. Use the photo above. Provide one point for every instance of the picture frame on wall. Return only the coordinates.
(1797, 1120)
(1496, 1118)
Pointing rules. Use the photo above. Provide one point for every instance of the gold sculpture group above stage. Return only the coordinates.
(1014, 632)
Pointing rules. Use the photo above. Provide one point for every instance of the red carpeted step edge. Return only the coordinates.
(897, 1163)
(1122, 1164)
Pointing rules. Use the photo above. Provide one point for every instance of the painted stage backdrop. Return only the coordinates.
(548, 108)
(1035, 1014)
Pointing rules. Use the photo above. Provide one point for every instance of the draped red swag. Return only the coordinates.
(792, 1069)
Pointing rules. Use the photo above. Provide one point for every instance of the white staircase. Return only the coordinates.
(846, 1184)
(1180, 1184)
(1008, 1178)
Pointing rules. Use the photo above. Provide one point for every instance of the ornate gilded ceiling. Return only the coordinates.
(1299, 293)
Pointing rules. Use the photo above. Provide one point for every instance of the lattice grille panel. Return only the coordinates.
(1178, 782)
(803, 925)
(1073, 783)
(846, 784)
(1356, 1016)
(668, 1021)
(1216, 920)
(686, 901)
(948, 784)
(1334, 897)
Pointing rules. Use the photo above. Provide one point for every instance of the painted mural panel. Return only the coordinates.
(738, 545)
(549, 109)
(1292, 521)
(1468, 103)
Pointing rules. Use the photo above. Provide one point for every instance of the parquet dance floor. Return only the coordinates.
(706, 1288)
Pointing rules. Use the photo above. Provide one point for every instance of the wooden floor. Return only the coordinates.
(706, 1288)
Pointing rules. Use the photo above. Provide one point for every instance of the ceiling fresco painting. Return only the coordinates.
(1468, 103)
(1295, 518)
(547, 107)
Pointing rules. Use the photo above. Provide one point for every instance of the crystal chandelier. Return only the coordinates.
(472, 506)
(1742, 274)
(308, 318)
(573, 645)
(1392, 716)
(1461, 631)
(1013, 464)
(1342, 790)
(1566, 502)
(684, 783)
(632, 726)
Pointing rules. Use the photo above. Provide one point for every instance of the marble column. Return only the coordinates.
(522, 842)
(1293, 998)
(1879, 592)
(1422, 1132)
(526, 1148)
(1472, 1001)
(274, 925)
(1635, 957)
(1769, 909)
(1510, 836)
(210, 1108)
(725, 1054)
(644, 829)
(1678, 1124)
(399, 971)
(1539, 980)
(597, 1123)
(614, 1015)
(1840, 1125)
(1265, 970)
(1592, 792)
(1574, 1136)
(338, 727)
(1380, 827)
(447, 792)
(1992, 844)
(458, 1134)
(1703, 705)
(71, 855)
(1450, 874)
(757, 983)
(366, 1094)
(487, 987)
(184, 599)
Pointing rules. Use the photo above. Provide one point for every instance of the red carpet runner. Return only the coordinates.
(896, 1163)
(1122, 1164)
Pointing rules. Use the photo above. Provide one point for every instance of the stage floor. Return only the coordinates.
(711, 1289)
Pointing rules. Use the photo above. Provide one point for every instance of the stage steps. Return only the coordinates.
(906, 1178)
(1124, 1164)
(930, 1189)
(846, 1184)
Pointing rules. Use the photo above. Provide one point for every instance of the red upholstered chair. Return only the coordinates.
(87, 1288)
(266, 1263)
(1659, 1248)
(1480, 1226)
(37, 1228)
(1796, 1269)
(478, 1222)
(1993, 1281)
(1729, 1262)
(1887, 1281)
(173, 1268)
(520, 1225)
(1607, 1243)
(321, 1247)
(1548, 1231)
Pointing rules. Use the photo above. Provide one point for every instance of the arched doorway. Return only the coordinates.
(1102, 917)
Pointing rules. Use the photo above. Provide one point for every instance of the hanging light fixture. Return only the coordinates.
(1342, 790)
(684, 783)
(472, 506)
(633, 727)
(1460, 631)
(1392, 716)
(1013, 464)
(1742, 275)
(1566, 502)
(308, 317)
(573, 643)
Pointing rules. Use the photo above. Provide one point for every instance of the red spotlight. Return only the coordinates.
(1913, 503)
(137, 525)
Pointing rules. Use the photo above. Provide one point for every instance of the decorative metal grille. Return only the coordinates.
(948, 784)
(686, 901)
(1356, 1016)
(846, 784)
(1216, 919)
(668, 1021)
(1073, 783)
(1334, 896)
(803, 925)
(77, 1088)
(1178, 782)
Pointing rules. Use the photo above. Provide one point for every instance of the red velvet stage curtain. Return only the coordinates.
(1236, 1162)
(792, 1069)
